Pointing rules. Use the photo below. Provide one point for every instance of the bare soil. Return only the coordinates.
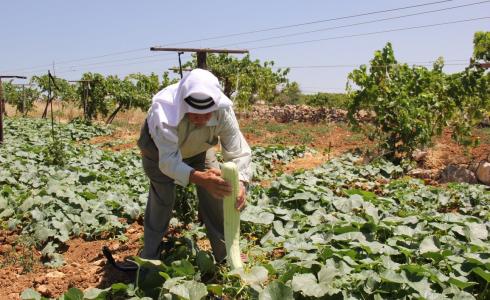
(85, 266)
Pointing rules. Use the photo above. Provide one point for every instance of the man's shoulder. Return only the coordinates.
(225, 111)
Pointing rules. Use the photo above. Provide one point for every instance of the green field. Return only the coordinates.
(342, 230)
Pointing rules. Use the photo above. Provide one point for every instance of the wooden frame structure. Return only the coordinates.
(201, 53)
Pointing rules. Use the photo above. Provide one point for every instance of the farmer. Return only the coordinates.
(185, 122)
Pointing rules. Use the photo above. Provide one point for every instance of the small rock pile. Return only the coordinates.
(476, 172)
(300, 113)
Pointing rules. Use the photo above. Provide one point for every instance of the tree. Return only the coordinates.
(410, 103)
(166, 81)
(245, 80)
(290, 94)
(20, 96)
(60, 89)
(413, 104)
(481, 42)
(92, 95)
(146, 86)
(470, 91)
(125, 94)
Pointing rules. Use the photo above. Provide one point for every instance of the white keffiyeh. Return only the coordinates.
(168, 106)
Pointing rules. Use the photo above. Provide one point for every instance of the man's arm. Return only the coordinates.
(169, 156)
(171, 164)
(234, 146)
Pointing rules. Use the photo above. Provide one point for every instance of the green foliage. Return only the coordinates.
(342, 230)
(64, 92)
(470, 92)
(245, 80)
(20, 96)
(166, 80)
(126, 93)
(329, 100)
(85, 197)
(481, 42)
(146, 86)
(410, 103)
(54, 153)
(290, 94)
(414, 104)
(92, 95)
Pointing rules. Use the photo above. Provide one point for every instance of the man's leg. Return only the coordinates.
(211, 209)
(161, 199)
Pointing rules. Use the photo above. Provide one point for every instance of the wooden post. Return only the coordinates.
(201, 60)
(85, 88)
(2, 103)
(201, 53)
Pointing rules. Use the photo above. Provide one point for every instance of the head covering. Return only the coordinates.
(198, 92)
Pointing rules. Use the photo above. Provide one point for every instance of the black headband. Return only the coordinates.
(199, 104)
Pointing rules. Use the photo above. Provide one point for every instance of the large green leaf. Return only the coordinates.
(30, 294)
(191, 290)
(255, 275)
(428, 245)
(276, 290)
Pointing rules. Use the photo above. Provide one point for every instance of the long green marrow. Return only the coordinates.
(229, 172)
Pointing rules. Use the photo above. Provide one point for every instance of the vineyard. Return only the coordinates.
(343, 229)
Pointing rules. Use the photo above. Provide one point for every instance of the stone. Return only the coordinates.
(40, 280)
(55, 274)
(43, 289)
(421, 173)
(419, 155)
(474, 166)
(483, 173)
(100, 262)
(455, 173)
(485, 122)
(115, 246)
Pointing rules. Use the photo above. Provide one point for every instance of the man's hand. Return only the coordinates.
(212, 182)
(241, 200)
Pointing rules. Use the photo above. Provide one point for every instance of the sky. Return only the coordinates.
(114, 36)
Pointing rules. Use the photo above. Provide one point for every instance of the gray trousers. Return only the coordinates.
(161, 200)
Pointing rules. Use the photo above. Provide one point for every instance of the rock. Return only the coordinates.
(100, 262)
(421, 173)
(55, 274)
(115, 246)
(483, 173)
(419, 155)
(485, 122)
(43, 289)
(40, 280)
(14, 296)
(474, 166)
(454, 173)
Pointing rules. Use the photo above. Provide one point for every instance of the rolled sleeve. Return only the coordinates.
(169, 157)
(234, 146)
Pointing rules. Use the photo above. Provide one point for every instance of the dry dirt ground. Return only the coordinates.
(20, 265)
(85, 265)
